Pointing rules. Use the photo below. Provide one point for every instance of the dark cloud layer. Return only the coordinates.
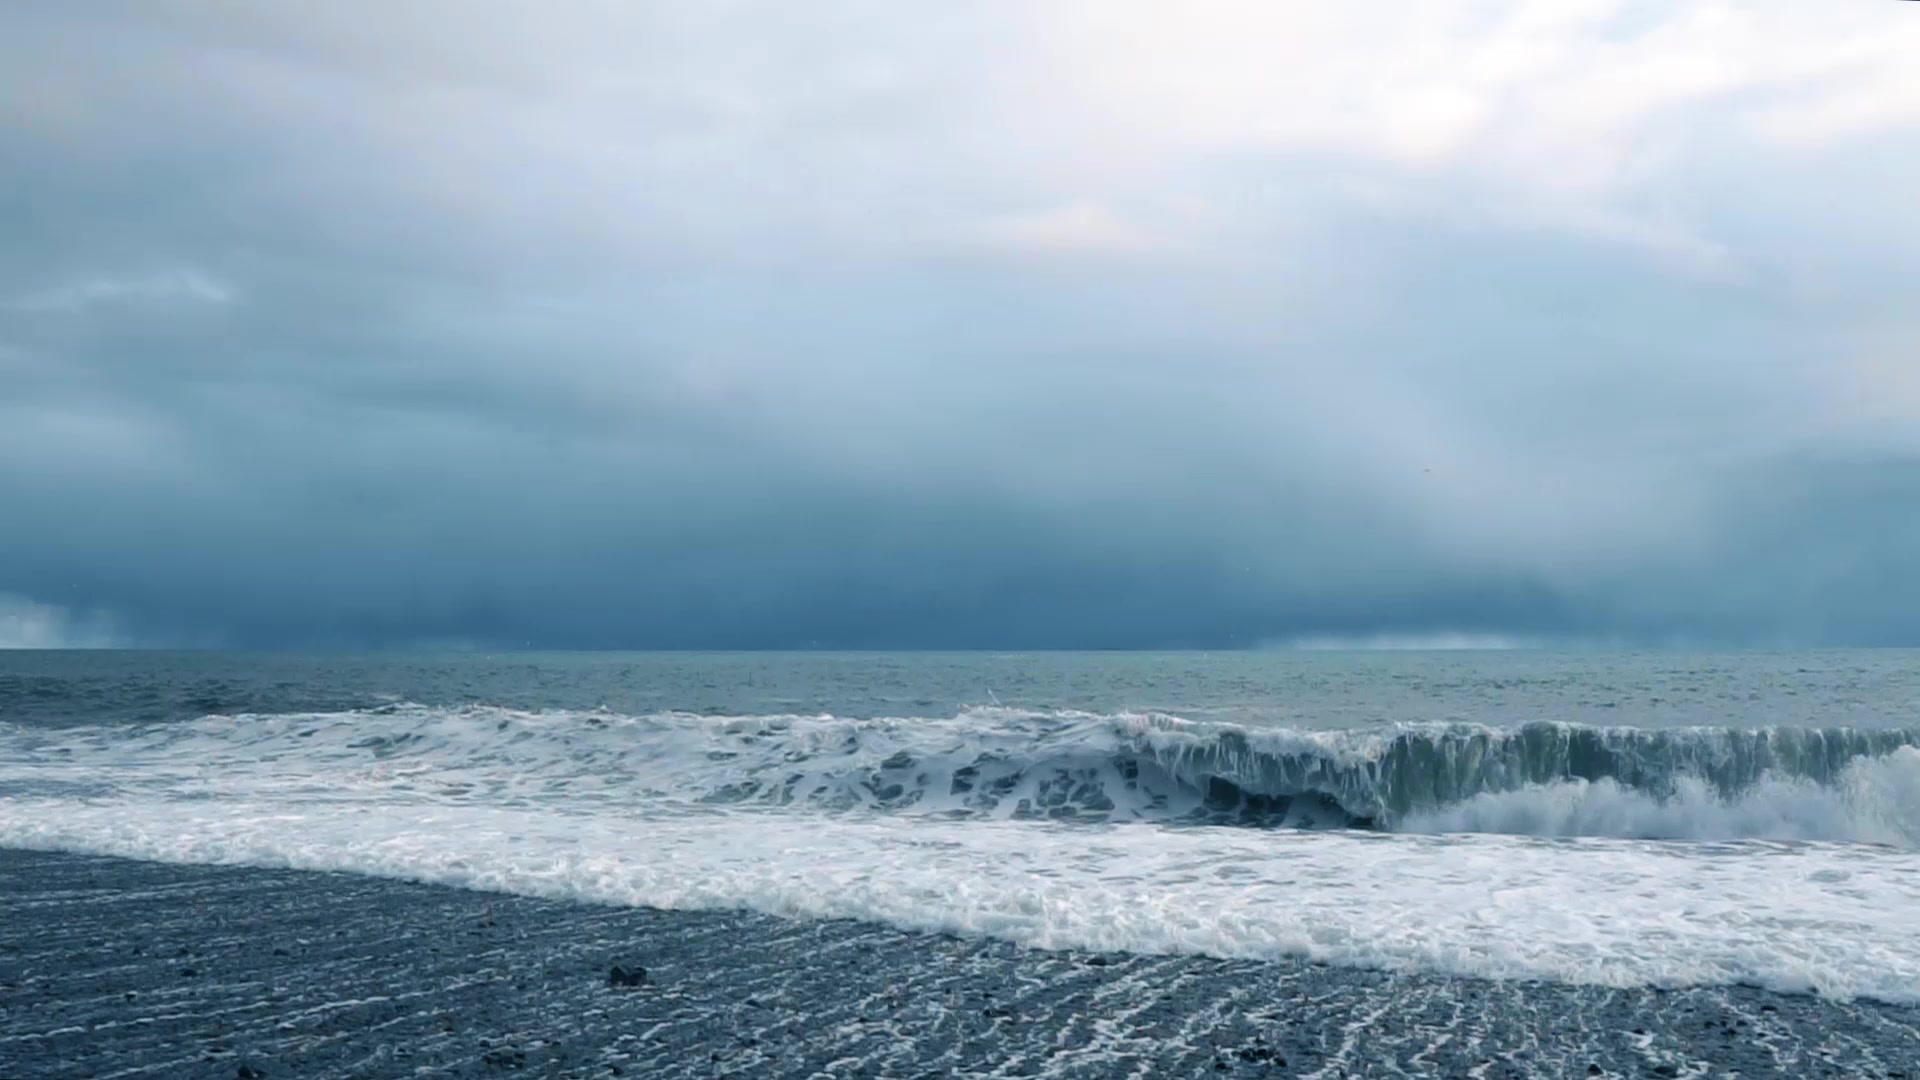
(749, 332)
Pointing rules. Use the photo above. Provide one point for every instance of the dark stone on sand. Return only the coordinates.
(1097, 961)
(505, 1059)
(627, 977)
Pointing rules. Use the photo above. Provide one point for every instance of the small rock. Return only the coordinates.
(248, 1072)
(1593, 1070)
(505, 1059)
(188, 973)
(1097, 961)
(627, 976)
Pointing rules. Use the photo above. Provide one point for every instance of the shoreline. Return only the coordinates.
(114, 967)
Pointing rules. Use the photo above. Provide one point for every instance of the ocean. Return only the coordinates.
(1638, 825)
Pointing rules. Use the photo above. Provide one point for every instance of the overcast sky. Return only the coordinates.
(571, 323)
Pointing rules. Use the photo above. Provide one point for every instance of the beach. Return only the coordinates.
(119, 968)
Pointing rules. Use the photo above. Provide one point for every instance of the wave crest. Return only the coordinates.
(1809, 783)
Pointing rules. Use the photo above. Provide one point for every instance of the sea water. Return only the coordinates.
(1660, 819)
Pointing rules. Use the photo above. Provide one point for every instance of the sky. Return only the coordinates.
(1057, 323)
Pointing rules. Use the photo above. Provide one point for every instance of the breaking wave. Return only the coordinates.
(999, 822)
(1550, 779)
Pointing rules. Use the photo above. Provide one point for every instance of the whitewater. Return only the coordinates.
(1781, 855)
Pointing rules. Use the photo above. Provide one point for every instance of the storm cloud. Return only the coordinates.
(1104, 324)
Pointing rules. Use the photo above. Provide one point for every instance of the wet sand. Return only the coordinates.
(115, 968)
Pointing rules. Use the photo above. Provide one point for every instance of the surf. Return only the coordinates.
(997, 763)
(1777, 857)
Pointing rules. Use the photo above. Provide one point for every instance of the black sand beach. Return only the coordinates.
(113, 968)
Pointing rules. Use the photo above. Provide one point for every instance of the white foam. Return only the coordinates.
(1841, 920)
(614, 809)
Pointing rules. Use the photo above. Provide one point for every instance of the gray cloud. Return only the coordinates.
(584, 326)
